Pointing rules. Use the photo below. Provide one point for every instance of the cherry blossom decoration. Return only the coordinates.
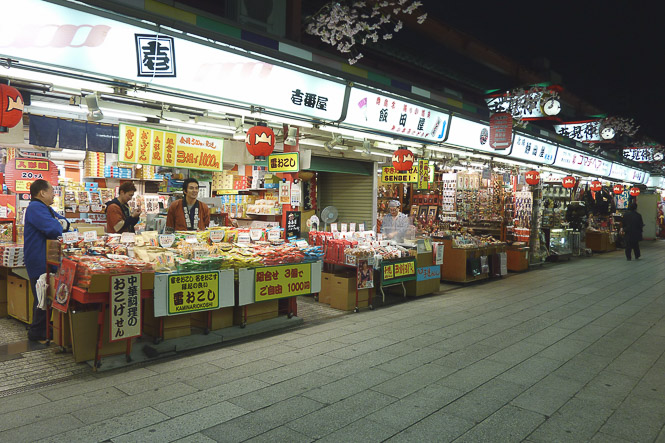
(345, 25)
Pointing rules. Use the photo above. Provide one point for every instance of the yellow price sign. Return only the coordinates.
(282, 281)
(388, 272)
(23, 185)
(286, 162)
(197, 291)
(405, 269)
(392, 175)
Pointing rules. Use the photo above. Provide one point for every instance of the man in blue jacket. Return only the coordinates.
(41, 223)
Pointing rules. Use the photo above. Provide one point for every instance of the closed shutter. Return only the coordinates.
(351, 194)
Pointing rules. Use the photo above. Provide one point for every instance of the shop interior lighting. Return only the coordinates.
(291, 137)
(332, 143)
(59, 106)
(367, 148)
(95, 113)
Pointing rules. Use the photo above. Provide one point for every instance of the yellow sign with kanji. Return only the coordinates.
(286, 162)
(148, 146)
(32, 165)
(197, 291)
(282, 281)
(392, 175)
(23, 185)
(423, 174)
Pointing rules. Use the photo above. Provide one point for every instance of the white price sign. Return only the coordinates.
(302, 244)
(361, 227)
(128, 237)
(84, 208)
(333, 227)
(191, 239)
(216, 236)
(244, 238)
(90, 236)
(166, 240)
(274, 234)
(70, 237)
(352, 227)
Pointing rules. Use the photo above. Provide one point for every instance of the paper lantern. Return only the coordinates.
(260, 141)
(634, 191)
(403, 159)
(532, 177)
(568, 182)
(617, 189)
(11, 107)
(596, 186)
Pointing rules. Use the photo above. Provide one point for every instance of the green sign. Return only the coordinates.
(398, 271)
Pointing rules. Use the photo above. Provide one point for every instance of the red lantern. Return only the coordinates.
(568, 182)
(11, 107)
(260, 141)
(596, 186)
(532, 177)
(617, 189)
(403, 159)
(634, 191)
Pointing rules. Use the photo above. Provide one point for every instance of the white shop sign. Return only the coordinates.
(378, 111)
(620, 172)
(532, 150)
(51, 34)
(577, 161)
(468, 134)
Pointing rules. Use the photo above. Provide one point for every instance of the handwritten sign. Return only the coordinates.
(398, 272)
(128, 237)
(70, 237)
(216, 236)
(89, 236)
(125, 308)
(282, 281)
(191, 292)
(166, 240)
(429, 273)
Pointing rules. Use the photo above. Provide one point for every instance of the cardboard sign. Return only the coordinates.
(166, 240)
(244, 238)
(125, 306)
(216, 236)
(191, 292)
(282, 281)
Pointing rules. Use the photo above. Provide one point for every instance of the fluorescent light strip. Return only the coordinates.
(355, 134)
(199, 127)
(58, 106)
(381, 154)
(57, 80)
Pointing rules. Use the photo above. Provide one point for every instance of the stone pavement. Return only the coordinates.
(567, 352)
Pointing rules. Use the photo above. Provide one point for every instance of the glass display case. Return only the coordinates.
(560, 242)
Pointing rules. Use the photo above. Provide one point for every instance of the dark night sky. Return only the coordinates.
(610, 54)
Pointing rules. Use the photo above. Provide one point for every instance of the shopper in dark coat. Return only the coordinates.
(632, 228)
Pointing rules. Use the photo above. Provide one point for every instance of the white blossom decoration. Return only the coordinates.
(345, 25)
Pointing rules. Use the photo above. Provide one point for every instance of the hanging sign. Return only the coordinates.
(392, 175)
(596, 186)
(21, 172)
(501, 130)
(568, 182)
(125, 306)
(148, 146)
(292, 224)
(634, 191)
(191, 292)
(423, 174)
(285, 162)
(617, 189)
(296, 195)
(282, 281)
(641, 155)
(586, 131)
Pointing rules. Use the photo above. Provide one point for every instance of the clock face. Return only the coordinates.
(658, 156)
(552, 107)
(607, 133)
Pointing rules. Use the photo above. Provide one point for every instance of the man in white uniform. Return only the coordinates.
(395, 223)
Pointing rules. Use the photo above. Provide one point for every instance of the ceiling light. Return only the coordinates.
(239, 131)
(94, 112)
(381, 154)
(291, 138)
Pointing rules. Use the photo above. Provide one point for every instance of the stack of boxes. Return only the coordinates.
(12, 255)
(116, 172)
(94, 164)
(339, 290)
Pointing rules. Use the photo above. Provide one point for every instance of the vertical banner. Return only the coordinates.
(501, 130)
(423, 174)
(125, 307)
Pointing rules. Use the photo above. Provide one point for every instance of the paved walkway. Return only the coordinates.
(569, 352)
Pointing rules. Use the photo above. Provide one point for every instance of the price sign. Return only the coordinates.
(345, 227)
(191, 239)
(200, 253)
(166, 240)
(3, 211)
(255, 234)
(84, 208)
(90, 236)
(302, 244)
(70, 237)
(352, 227)
(196, 291)
(244, 238)
(439, 254)
(125, 308)
(97, 208)
(428, 244)
(286, 162)
(128, 237)
(274, 235)
(216, 236)
(361, 227)
(295, 195)
(333, 227)
(282, 281)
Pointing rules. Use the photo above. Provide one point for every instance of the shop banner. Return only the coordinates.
(286, 162)
(423, 174)
(640, 155)
(376, 110)
(471, 135)
(65, 37)
(282, 281)
(586, 131)
(533, 150)
(397, 272)
(20, 173)
(577, 161)
(429, 273)
(125, 306)
(392, 175)
(148, 146)
(192, 292)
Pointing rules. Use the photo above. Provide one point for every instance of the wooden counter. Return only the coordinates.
(599, 241)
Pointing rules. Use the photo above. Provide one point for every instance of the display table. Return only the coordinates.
(600, 241)
(428, 276)
(454, 267)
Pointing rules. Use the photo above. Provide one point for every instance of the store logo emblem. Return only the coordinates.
(155, 55)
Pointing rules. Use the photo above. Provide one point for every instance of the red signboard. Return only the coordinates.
(596, 186)
(21, 172)
(634, 191)
(568, 182)
(532, 177)
(617, 189)
(501, 130)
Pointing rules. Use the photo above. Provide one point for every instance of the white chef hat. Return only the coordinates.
(393, 204)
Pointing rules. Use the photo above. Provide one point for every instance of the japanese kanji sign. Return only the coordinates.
(533, 150)
(398, 272)
(587, 131)
(501, 130)
(286, 162)
(191, 292)
(125, 306)
(423, 174)
(428, 273)
(392, 175)
(155, 55)
(282, 281)
(641, 155)
(21, 172)
(149, 146)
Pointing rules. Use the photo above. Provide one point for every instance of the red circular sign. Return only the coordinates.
(260, 141)
(596, 186)
(21, 172)
(634, 191)
(403, 159)
(11, 107)
(617, 189)
(568, 182)
(532, 177)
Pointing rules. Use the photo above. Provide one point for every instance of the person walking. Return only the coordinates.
(632, 228)
(41, 223)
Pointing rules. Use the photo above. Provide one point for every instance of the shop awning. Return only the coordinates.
(327, 164)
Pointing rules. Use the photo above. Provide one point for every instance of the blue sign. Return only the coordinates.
(428, 273)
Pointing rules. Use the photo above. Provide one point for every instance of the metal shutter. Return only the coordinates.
(352, 195)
